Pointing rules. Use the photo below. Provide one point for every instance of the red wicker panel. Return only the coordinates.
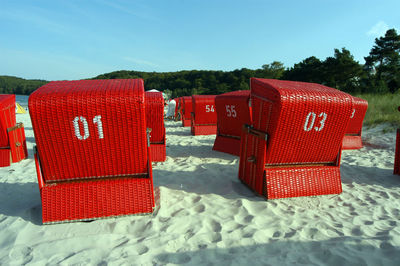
(288, 182)
(204, 130)
(306, 122)
(360, 107)
(68, 201)
(90, 128)
(232, 112)
(204, 110)
(396, 169)
(5, 156)
(155, 116)
(227, 144)
(251, 163)
(158, 152)
(352, 138)
(352, 142)
(17, 139)
(7, 116)
(186, 110)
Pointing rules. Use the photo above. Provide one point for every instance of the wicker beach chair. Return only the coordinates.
(293, 147)
(186, 110)
(92, 156)
(396, 169)
(352, 138)
(12, 135)
(177, 116)
(204, 115)
(233, 111)
(155, 121)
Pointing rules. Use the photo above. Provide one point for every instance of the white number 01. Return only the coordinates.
(310, 121)
(96, 120)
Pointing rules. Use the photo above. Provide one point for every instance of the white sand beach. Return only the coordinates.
(208, 217)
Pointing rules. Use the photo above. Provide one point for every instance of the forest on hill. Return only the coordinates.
(380, 74)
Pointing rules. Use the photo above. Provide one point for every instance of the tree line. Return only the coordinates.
(379, 74)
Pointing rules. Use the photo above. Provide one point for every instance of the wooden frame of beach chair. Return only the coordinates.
(12, 135)
(178, 115)
(352, 138)
(155, 121)
(186, 110)
(233, 111)
(93, 151)
(293, 148)
(204, 115)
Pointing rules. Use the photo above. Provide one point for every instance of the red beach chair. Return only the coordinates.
(352, 138)
(12, 135)
(233, 111)
(93, 155)
(293, 148)
(186, 110)
(204, 115)
(155, 121)
(396, 170)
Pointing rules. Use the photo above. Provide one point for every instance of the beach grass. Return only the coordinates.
(382, 108)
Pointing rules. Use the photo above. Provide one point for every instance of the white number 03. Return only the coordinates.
(310, 121)
(83, 121)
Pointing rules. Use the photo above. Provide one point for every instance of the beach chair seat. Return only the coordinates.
(352, 139)
(204, 115)
(293, 147)
(12, 135)
(92, 149)
(155, 121)
(186, 110)
(233, 111)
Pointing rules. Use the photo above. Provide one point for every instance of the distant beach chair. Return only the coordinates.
(396, 170)
(186, 110)
(178, 107)
(233, 111)
(12, 135)
(155, 121)
(293, 148)
(93, 152)
(204, 115)
(352, 138)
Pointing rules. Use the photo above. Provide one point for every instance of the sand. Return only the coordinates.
(208, 217)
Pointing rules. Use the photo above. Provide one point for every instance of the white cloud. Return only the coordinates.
(378, 30)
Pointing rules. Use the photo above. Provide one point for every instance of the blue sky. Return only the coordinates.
(71, 39)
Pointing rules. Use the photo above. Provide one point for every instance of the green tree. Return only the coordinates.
(309, 70)
(274, 70)
(383, 62)
(342, 72)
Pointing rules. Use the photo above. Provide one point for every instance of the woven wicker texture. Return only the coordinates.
(227, 144)
(7, 117)
(360, 107)
(186, 110)
(232, 112)
(352, 138)
(306, 122)
(396, 169)
(204, 110)
(68, 201)
(5, 157)
(155, 116)
(90, 128)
